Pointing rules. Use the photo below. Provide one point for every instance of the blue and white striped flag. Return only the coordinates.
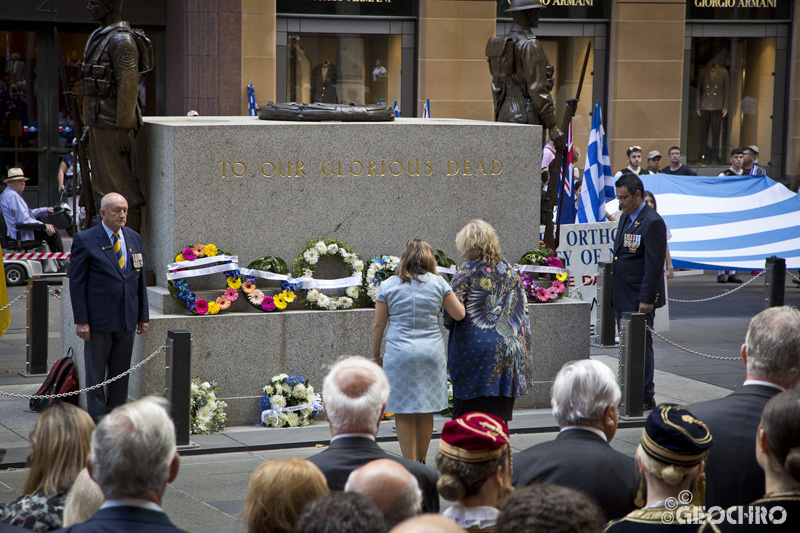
(598, 180)
(396, 110)
(251, 99)
(731, 222)
(426, 109)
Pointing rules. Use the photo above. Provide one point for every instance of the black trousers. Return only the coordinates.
(53, 241)
(710, 120)
(105, 355)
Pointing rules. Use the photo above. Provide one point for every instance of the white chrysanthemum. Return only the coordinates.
(352, 292)
(358, 266)
(310, 390)
(308, 273)
(287, 389)
(312, 256)
(306, 412)
(333, 304)
(312, 295)
(277, 401)
(205, 414)
(371, 272)
(345, 302)
(394, 260)
(333, 248)
(343, 252)
(212, 405)
(194, 389)
(372, 292)
(211, 396)
(321, 247)
(293, 420)
(283, 418)
(349, 258)
(206, 385)
(299, 391)
(323, 300)
(310, 394)
(268, 389)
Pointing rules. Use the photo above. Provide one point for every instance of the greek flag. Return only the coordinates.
(396, 110)
(251, 99)
(734, 222)
(598, 180)
(426, 109)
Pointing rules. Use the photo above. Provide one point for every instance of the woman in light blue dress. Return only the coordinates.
(414, 360)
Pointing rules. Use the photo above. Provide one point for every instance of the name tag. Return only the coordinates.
(632, 242)
(138, 262)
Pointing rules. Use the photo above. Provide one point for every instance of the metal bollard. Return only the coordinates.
(606, 320)
(178, 383)
(38, 317)
(774, 281)
(633, 333)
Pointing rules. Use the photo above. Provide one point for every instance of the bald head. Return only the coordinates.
(114, 211)
(354, 382)
(355, 393)
(390, 486)
(428, 523)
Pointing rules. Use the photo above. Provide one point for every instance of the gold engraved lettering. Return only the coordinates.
(371, 170)
(223, 163)
(428, 168)
(467, 168)
(233, 169)
(288, 173)
(339, 174)
(383, 168)
(272, 172)
(497, 172)
(481, 168)
(391, 168)
(451, 172)
(360, 164)
(323, 169)
(409, 168)
(298, 169)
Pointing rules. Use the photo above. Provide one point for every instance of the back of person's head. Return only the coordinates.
(582, 391)
(341, 512)
(60, 441)
(390, 486)
(354, 393)
(83, 500)
(545, 508)
(278, 492)
(478, 241)
(428, 523)
(417, 259)
(133, 448)
(773, 345)
(782, 429)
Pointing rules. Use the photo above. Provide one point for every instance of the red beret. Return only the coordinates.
(474, 438)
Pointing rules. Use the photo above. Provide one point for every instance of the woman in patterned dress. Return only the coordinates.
(61, 439)
(411, 302)
(488, 352)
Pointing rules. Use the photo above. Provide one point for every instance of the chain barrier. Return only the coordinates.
(93, 387)
(55, 293)
(621, 359)
(12, 302)
(740, 287)
(717, 357)
(792, 275)
(575, 289)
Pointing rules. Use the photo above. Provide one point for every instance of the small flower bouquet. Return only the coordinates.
(256, 297)
(544, 286)
(289, 401)
(208, 413)
(182, 291)
(378, 270)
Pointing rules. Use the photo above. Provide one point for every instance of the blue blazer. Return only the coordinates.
(102, 294)
(638, 271)
(125, 519)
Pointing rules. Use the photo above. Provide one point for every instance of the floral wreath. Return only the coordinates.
(378, 270)
(289, 401)
(307, 263)
(207, 412)
(257, 298)
(182, 292)
(541, 292)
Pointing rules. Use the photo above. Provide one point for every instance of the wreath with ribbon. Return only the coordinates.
(261, 268)
(378, 271)
(199, 255)
(313, 290)
(543, 274)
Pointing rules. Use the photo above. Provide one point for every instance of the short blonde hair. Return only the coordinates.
(478, 241)
(668, 473)
(279, 490)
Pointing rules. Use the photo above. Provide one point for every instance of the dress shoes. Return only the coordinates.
(733, 279)
(649, 404)
(721, 278)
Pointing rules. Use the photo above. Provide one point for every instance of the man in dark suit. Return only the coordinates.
(584, 399)
(771, 353)
(637, 276)
(133, 457)
(109, 301)
(355, 393)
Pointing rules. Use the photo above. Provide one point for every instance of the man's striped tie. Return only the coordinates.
(118, 250)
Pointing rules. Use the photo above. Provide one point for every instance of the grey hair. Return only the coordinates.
(582, 391)
(355, 413)
(773, 344)
(133, 448)
(404, 505)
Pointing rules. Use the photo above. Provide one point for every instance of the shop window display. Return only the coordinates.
(731, 97)
(345, 68)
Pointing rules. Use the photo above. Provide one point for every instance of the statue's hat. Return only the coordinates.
(521, 5)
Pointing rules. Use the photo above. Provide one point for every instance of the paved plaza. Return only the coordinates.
(210, 490)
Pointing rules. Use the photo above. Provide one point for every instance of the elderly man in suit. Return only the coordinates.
(584, 399)
(771, 353)
(637, 276)
(109, 301)
(355, 393)
(133, 457)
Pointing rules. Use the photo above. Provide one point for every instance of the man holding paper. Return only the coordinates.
(109, 301)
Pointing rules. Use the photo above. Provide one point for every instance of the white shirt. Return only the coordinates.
(764, 383)
(132, 502)
(346, 435)
(586, 428)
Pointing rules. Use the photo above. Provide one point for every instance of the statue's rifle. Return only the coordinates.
(560, 165)
(87, 197)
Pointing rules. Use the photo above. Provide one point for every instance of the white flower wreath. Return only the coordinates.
(378, 270)
(307, 263)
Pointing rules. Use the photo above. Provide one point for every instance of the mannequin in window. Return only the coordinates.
(323, 83)
(712, 100)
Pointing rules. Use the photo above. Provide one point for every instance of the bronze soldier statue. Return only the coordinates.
(521, 75)
(114, 56)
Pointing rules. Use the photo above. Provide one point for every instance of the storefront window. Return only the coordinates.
(344, 68)
(19, 124)
(731, 97)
